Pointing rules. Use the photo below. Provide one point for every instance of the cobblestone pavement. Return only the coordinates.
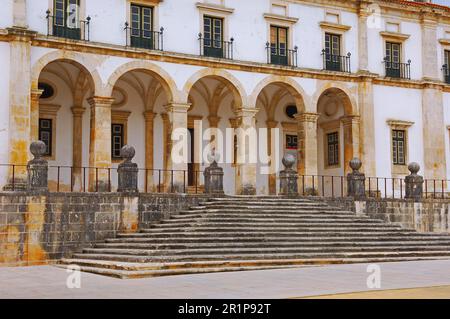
(50, 282)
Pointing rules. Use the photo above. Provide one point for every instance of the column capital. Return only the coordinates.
(271, 124)
(213, 120)
(36, 94)
(21, 34)
(246, 112)
(307, 117)
(149, 115)
(177, 107)
(100, 101)
(78, 110)
(350, 119)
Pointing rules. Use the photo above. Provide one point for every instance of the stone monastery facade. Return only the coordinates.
(338, 78)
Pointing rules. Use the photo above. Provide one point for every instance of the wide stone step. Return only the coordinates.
(271, 229)
(268, 216)
(273, 211)
(262, 208)
(259, 205)
(270, 222)
(315, 255)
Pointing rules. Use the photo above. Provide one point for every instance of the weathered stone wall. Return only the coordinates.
(35, 229)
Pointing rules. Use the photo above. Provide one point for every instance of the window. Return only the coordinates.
(45, 134)
(142, 35)
(117, 140)
(213, 36)
(333, 149)
(332, 52)
(447, 66)
(66, 20)
(398, 147)
(291, 142)
(278, 45)
(393, 59)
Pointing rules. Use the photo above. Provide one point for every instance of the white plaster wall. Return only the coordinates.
(36, 15)
(6, 14)
(4, 109)
(446, 98)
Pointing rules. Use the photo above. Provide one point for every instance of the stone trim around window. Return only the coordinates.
(399, 171)
(120, 117)
(50, 111)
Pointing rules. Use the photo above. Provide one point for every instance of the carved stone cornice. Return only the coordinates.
(330, 26)
(20, 34)
(100, 101)
(307, 117)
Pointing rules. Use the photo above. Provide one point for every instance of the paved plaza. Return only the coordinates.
(344, 280)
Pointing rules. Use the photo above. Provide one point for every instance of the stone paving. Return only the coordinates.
(50, 282)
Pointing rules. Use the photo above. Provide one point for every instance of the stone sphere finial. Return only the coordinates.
(213, 156)
(355, 164)
(127, 152)
(414, 168)
(38, 149)
(288, 161)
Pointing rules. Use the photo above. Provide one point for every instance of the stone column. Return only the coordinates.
(362, 41)
(367, 126)
(213, 126)
(34, 114)
(100, 143)
(430, 66)
(414, 183)
(19, 103)
(247, 151)
(351, 139)
(149, 117)
(20, 14)
(273, 175)
(307, 148)
(77, 147)
(177, 157)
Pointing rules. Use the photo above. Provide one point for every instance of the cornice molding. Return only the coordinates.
(396, 36)
(334, 26)
(280, 18)
(214, 8)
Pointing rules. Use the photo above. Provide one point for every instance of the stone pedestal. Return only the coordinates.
(288, 177)
(213, 177)
(356, 187)
(414, 183)
(37, 168)
(128, 171)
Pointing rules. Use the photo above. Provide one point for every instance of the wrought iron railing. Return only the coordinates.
(58, 27)
(398, 70)
(340, 63)
(216, 49)
(144, 39)
(281, 56)
(446, 71)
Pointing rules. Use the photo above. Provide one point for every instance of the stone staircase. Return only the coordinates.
(248, 233)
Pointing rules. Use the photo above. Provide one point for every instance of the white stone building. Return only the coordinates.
(338, 78)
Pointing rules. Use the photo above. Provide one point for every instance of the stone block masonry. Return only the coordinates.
(36, 228)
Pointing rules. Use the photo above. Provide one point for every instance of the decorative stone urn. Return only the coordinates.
(213, 175)
(128, 171)
(288, 177)
(356, 187)
(37, 168)
(414, 182)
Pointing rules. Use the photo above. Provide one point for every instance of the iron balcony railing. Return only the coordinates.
(398, 70)
(339, 63)
(58, 27)
(446, 71)
(281, 56)
(144, 39)
(215, 48)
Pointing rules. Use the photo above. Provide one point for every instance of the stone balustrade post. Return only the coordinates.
(37, 168)
(414, 183)
(213, 176)
(288, 177)
(356, 186)
(128, 171)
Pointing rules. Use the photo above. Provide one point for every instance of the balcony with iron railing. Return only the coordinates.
(339, 63)
(75, 30)
(281, 56)
(215, 48)
(446, 71)
(398, 70)
(144, 39)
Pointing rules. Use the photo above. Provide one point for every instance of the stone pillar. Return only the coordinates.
(307, 148)
(430, 66)
(351, 139)
(177, 157)
(433, 132)
(20, 14)
(213, 176)
(414, 183)
(128, 171)
(356, 186)
(367, 126)
(19, 102)
(273, 175)
(247, 151)
(37, 168)
(77, 147)
(34, 114)
(363, 50)
(288, 177)
(149, 117)
(100, 143)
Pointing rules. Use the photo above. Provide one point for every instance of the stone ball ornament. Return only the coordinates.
(288, 160)
(414, 168)
(355, 164)
(38, 149)
(127, 152)
(213, 157)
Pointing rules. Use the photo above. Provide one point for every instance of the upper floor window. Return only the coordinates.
(141, 30)
(213, 36)
(393, 60)
(65, 21)
(332, 52)
(446, 67)
(278, 45)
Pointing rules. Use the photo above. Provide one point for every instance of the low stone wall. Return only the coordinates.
(35, 229)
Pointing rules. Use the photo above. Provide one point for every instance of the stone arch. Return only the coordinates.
(87, 64)
(292, 86)
(343, 92)
(233, 84)
(170, 88)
